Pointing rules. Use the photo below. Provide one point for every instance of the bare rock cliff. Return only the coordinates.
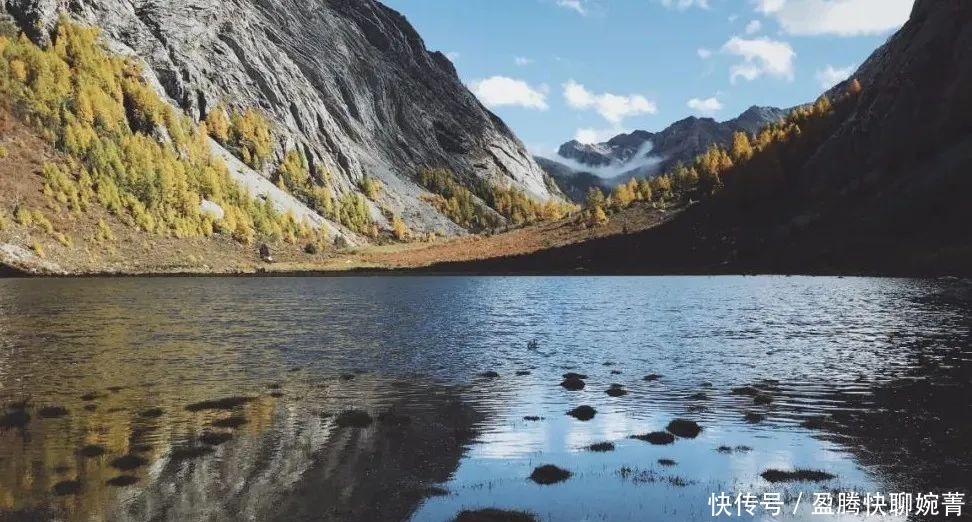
(348, 82)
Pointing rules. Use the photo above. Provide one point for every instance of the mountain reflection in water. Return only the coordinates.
(218, 399)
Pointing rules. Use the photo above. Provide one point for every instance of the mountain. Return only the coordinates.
(643, 153)
(879, 186)
(348, 83)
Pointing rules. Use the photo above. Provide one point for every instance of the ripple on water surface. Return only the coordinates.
(157, 390)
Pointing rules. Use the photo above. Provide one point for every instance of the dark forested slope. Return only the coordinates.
(878, 183)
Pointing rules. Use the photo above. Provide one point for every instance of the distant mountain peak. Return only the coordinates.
(624, 155)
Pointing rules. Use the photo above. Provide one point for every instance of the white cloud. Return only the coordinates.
(830, 76)
(452, 56)
(501, 91)
(761, 56)
(522, 61)
(685, 4)
(574, 5)
(753, 27)
(704, 53)
(594, 136)
(769, 6)
(837, 17)
(612, 107)
(707, 106)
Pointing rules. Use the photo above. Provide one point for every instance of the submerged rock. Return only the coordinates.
(229, 422)
(122, 481)
(215, 438)
(52, 412)
(67, 487)
(667, 462)
(684, 428)
(798, 475)
(762, 399)
(573, 384)
(353, 419)
(152, 413)
(745, 390)
(14, 419)
(658, 438)
(652, 377)
(549, 474)
(193, 452)
(601, 447)
(522, 373)
(817, 423)
(616, 390)
(753, 417)
(92, 450)
(583, 413)
(128, 462)
(532, 418)
(226, 403)
(494, 515)
(489, 375)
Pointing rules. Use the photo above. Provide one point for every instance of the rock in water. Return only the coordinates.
(583, 413)
(549, 474)
(684, 428)
(573, 384)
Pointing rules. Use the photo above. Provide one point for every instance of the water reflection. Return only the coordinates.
(865, 379)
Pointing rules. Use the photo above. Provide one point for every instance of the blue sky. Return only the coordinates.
(555, 70)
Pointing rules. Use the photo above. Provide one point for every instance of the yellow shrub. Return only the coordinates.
(218, 125)
(369, 186)
(250, 134)
(23, 216)
(400, 229)
(104, 233)
(38, 249)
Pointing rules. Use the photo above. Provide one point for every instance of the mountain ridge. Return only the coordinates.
(642, 153)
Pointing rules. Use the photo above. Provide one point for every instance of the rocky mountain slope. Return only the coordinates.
(643, 153)
(349, 83)
(881, 187)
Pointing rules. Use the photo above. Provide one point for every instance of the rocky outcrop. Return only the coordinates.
(643, 153)
(348, 82)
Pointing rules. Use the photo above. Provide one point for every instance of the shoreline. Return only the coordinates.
(450, 270)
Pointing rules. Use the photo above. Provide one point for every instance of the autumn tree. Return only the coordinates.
(218, 124)
(742, 148)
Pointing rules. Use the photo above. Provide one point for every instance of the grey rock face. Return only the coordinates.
(347, 82)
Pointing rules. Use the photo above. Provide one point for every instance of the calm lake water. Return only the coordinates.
(104, 386)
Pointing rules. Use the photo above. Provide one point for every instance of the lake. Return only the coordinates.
(225, 399)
